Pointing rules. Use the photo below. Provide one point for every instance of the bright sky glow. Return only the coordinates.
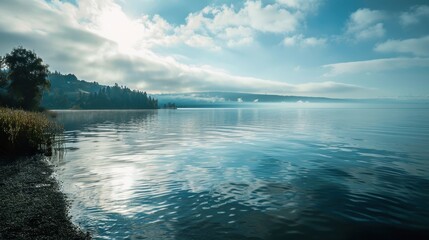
(331, 48)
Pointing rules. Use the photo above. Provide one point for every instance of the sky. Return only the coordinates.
(327, 48)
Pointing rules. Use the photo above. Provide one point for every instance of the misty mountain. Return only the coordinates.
(229, 99)
(67, 92)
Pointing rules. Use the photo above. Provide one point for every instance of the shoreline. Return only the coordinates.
(31, 203)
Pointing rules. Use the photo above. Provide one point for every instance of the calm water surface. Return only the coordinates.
(277, 173)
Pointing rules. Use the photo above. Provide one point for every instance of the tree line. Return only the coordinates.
(25, 82)
(69, 92)
(116, 97)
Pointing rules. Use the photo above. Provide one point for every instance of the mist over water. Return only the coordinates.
(284, 172)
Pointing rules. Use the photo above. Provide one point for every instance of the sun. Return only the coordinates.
(112, 23)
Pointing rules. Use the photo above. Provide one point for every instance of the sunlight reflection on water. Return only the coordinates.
(247, 173)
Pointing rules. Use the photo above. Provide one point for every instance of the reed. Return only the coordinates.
(24, 133)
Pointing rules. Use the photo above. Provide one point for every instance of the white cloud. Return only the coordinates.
(376, 65)
(307, 5)
(107, 19)
(201, 41)
(312, 41)
(415, 46)
(212, 28)
(290, 3)
(365, 24)
(270, 18)
(375, 31)
(75, 40)
(329, 86)
(185, 78)
(233, 27)
(415, 15)
(237, 36)
(300, 40)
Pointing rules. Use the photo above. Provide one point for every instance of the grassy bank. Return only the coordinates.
(31, 205)
(24, 133)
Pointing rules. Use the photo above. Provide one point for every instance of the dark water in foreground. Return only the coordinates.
(280, 173)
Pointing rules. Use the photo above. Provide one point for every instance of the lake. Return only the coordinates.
(290, 171)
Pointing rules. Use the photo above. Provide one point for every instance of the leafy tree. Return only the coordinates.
(170, 105)
(27, 75)
(3, 79)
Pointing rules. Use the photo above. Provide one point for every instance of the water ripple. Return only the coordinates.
(247, 173)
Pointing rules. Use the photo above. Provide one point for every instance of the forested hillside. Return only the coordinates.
(68, 92)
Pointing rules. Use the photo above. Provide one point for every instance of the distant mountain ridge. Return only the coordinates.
(67, 92)
(221, 99)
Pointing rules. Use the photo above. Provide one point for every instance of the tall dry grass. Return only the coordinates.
(23, 133)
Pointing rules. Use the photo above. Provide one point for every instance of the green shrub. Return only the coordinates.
(23, 133)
